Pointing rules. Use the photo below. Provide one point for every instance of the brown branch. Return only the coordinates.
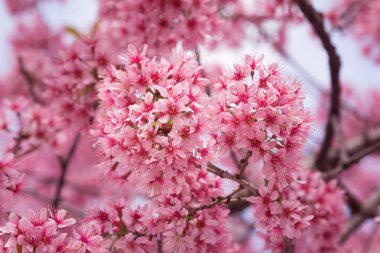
(80, 188)
(235, 159)
(349, 16)
(368, 210)
(289, 247)
(226, 199)
(356, 149)
(343, 156)
(159, 245)
(29, 80)
(64, 163)
(244, 163)
(238, 206)
(316, 20)
(352, 200)
(371, 238)
(310, 79)
(225, 174)
(352, 160)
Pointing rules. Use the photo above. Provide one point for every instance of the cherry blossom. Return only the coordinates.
(119, 137)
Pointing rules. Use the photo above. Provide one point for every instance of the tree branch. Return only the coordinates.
(225, 174)
(316, 20)
(289, 247)
(29, 80)
(226, 199)
(352, 160)
(235, 159)
(349, 16)
(368, 210)
(64, 163)
(356, 149)
(244, 163)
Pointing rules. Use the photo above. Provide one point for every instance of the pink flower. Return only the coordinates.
(175, 242)
(88, 238)
(6, 161)
(130, 244)
(262, 203)
(59, 217)
(133, 56)
(60, 244)
(3, 249)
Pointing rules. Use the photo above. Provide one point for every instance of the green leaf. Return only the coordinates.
(73, 31)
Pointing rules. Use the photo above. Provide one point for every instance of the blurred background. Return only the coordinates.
(302, 57)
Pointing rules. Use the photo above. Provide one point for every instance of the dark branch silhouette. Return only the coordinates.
(316, 20)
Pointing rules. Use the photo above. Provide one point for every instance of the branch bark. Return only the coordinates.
(316, 20)
(244, 163)
(64, 163)
(29, 80)
(289, 247)
(356, 149)
(368, 210)
(226, 199)
(225, 174)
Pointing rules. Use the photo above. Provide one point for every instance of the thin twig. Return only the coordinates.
(368, 210)
(356, 148)
(83, 189)
(64, 163)
(371, 238)
(349, 16)
(159, 245)
(343, 156)
(29, 80)
(219, 200)
(352, 201)
(234, 158)
(352, 160)
(289, 248)
(244, 163)
(225, 174)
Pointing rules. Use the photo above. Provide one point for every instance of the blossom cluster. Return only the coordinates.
(154, 118)
(323, 207)
(34, 46)
(157, 120)
(358, 17)
(173, 223)
(162, 24)
(260, 113)
(75, 77)
(24, 128)
(25, 125)
(259, 110)
(43, 232)
(325, 201)
(11, 180)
